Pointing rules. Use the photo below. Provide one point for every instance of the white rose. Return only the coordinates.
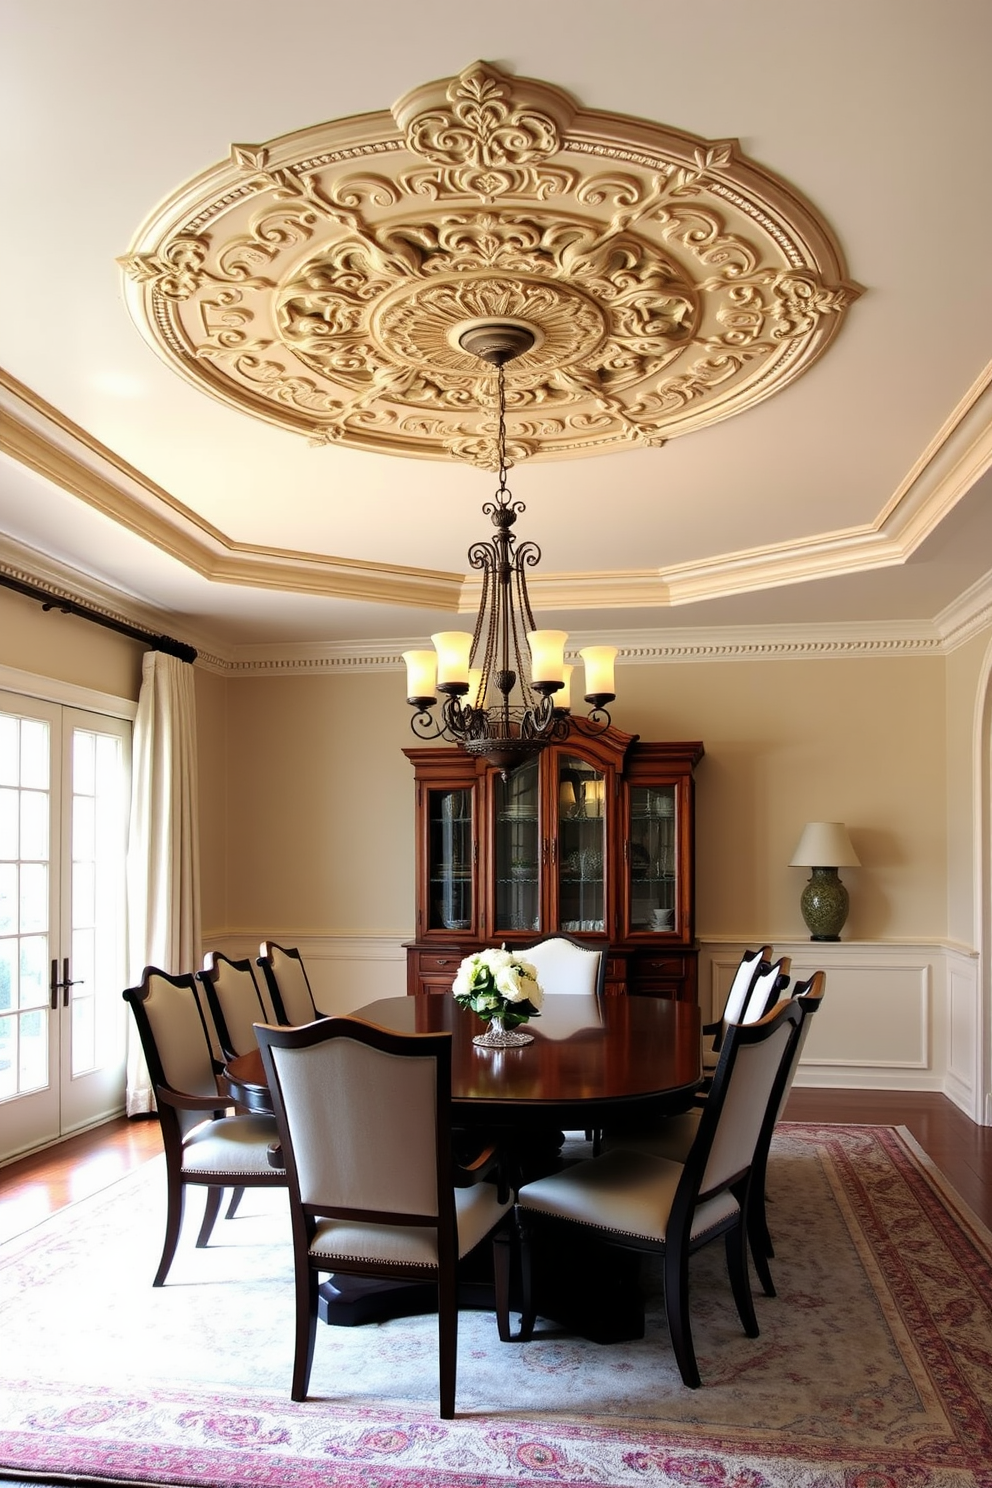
(509, 984)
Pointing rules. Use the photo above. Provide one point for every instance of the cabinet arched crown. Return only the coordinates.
(594, 837)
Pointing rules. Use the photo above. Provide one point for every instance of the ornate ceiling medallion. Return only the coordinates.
(322, 281)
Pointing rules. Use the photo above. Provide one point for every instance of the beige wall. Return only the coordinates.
(320, 798)
(320, 805)
(67, 648)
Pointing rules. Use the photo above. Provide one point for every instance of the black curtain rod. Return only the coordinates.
(51, 601)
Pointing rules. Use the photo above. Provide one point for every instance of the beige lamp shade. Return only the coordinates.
(547, 659)
(421, 674)
(453, 648)
(824, 845)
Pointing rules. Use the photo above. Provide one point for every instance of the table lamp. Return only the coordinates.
(824, 847)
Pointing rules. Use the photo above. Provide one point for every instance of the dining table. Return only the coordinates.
(593, 1062)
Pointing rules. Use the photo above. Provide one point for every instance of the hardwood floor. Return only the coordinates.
(34, 1187)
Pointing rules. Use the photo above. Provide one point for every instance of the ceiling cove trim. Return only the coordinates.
(966, 618)
(39, 437)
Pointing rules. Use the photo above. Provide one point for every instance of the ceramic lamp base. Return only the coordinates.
(824, 904)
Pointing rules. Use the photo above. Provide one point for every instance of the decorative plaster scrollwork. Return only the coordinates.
(321, 281)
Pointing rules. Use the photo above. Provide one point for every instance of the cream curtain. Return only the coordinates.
(163, 858)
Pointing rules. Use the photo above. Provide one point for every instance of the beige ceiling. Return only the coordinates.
(855, 494)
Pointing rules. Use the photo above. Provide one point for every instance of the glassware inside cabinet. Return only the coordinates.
(451, 847)
(518, 877)
(581, 845)
(653, 858)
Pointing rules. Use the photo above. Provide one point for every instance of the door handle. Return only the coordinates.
(63, 985)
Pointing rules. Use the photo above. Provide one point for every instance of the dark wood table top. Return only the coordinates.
(591, 1059)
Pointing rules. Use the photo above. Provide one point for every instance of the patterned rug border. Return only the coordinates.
(521, 1450)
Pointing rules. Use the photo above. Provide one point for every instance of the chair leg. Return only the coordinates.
(307, 1286)
(756, 1233)
(501, 1277)
(447, 1341)
(232, 1208)
(528, 1311)
(176, 1202)
(211, 1209)
(677, 1312)
(736, 1244)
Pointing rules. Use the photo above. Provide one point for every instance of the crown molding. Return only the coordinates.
(636, 648)
(967, 617)
(42, 439)
(45, 441)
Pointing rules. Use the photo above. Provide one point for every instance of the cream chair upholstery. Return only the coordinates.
(653, 1204)
(235, 1001)
(218, 1152)
(365, 1123)
(288, 984)
(566, 965)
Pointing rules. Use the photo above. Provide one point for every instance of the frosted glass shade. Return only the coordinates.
(599, 670)
(421, 674)
(547, 655)
(453, 649)
(563, 699)
(824, 845)
(474, 687)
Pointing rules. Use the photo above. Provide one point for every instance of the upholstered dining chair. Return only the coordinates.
(364, 1119)
(235, 1001)
(565, 964)
(203, 1145)
(672, 1137)
(288, 984)
(646, 1203)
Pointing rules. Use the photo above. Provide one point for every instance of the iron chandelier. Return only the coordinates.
(490, 707)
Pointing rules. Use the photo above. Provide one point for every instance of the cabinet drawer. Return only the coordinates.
(436, 984)
(438, 963)
(650, 968)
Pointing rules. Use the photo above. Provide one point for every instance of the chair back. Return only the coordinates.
(746, 1087)
(287, 983)
(809, 996)
(740, 987)
(363, 1117)
(564, 964)
(768, 986)
(235, 1002)
(174, 1037)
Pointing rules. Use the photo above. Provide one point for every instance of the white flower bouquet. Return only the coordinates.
(499, 985)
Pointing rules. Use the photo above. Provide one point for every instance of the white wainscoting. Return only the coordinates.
(895, 1016)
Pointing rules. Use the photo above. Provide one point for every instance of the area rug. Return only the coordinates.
(873, 1368)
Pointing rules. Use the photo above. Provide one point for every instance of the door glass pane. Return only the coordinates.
(97, 896)
(581, 845)
(34, 771)
(653, 859)
(34, 825)
(24, 905)
(451, 848)
(518, 850)
(9, 745)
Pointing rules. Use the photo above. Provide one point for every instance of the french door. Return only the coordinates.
(64, 786)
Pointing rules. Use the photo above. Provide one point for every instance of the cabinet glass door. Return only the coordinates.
(581, 849)
(518, 861)
(653, 859)
(451, 851)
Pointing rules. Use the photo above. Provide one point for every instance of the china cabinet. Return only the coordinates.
(594, 837)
